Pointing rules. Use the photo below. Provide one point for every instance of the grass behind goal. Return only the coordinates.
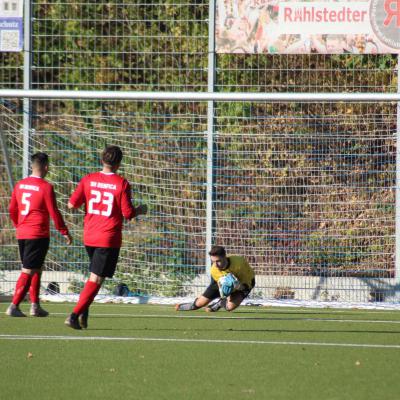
(152, 352)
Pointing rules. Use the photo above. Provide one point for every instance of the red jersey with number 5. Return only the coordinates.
(32, 202)
(107, 199)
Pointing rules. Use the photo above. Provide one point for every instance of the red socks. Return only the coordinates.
(26, 281)
(35, 288)
(86, 297)
(21, 288)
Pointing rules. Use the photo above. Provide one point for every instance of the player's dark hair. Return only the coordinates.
(112, 155)
(218, 251)
(40, 159)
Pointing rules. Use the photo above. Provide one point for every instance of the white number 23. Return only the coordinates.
(105, 198)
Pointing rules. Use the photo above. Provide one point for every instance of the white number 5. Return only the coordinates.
(105, 198)
(26, 203)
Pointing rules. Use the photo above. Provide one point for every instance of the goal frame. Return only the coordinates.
(211, 97)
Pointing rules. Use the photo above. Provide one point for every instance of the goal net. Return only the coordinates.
(305, 191)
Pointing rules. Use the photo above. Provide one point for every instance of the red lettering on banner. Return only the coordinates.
(312, 14)
(390, 13)
(288, 14)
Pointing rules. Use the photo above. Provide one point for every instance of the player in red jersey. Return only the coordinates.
(107, 200)
(32, 202)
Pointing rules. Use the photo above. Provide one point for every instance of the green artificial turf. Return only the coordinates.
(252, 353)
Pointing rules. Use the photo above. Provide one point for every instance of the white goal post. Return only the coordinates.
(198, 96)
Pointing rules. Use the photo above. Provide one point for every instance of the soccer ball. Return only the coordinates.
(227, 284)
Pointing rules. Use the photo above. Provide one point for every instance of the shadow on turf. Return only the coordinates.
(214, 317)
(230, 317)
(295, 312)
(317, 331)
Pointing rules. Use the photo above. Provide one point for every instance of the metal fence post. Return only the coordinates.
(210, 135)
(27, 102)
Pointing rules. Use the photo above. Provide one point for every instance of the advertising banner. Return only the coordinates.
(303, 27)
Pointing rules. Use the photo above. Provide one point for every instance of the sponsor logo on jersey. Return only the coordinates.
(29, 187)
(102, 185)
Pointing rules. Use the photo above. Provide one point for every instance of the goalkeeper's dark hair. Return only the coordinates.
(218, 251)
(40, 160)
(112, 155)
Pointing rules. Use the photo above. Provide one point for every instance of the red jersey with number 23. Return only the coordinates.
(107, 199)
(32, 202)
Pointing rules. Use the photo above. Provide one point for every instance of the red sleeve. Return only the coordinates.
(78, 197)
(128, 211)
(13, 209)
(55, 214)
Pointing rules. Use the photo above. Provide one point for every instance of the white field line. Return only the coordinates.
(209, 341)
(138, 316)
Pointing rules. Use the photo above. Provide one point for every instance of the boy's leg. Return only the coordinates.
(32, 253)
(211, 293)
(195, 305)
(35, 287)
(234, 300)
(21, 289)
(34, 290)
(89, 292)
(220, 303)
(103, 262)
(86, 298)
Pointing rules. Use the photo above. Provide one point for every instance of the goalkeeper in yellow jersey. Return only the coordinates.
(232, 279)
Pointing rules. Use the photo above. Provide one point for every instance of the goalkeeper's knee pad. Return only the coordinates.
(193, 306)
